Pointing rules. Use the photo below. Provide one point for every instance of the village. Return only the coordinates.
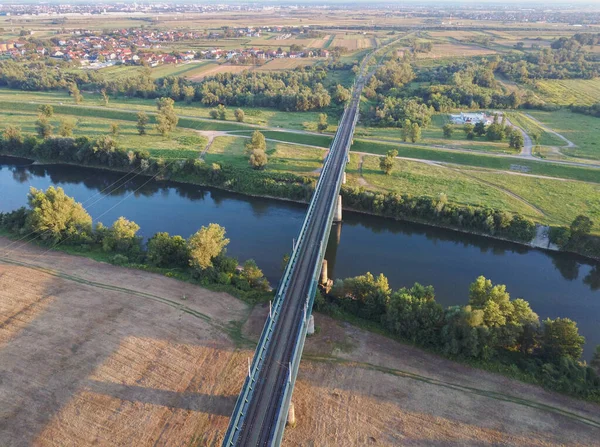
(147, 47)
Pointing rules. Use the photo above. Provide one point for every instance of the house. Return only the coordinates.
(471, 118)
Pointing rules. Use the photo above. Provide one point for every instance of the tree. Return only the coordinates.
(257, 142)
(239, 115)
(342, 94)
(205, 245)
(188, 93)
(66, 128)
(448, 130)
(221, 112)
(469, 131)
(121, 237)
(168, 251)
(581, 226)
(43, 127)
(387, 163)
(114, 129)
(479, 129)
(167, 119)
(75, 93)
(46, 110)
(213, 114)
(415, 132)
(56, 217)
(254, 276)
(13, 134)
(258, 159)
(516, 140)
(142, 122)
(322, 123)
(560, 338)
(104, 97)
(406, 126)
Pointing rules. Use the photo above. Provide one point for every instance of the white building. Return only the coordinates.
(471, 118)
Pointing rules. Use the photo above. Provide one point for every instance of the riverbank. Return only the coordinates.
(301, 189)
(134, 360)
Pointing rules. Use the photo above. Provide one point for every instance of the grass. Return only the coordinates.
(545, 200)
(257, 116)
(281, 157)
(418, 178)
(530, 127)
(582, 130)
(480, 160)
(180, 144)
(433, 135)
(569, 91)
(291, 137)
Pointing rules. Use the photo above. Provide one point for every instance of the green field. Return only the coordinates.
(569, 91)
(281, 157)
(479, 160)
(433, 135)
(180, 144)
(257, 116)
(530, 127)
(583, 130)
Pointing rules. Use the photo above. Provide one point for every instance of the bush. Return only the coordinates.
(119, 259)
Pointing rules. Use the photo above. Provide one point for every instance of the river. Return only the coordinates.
(555, 284)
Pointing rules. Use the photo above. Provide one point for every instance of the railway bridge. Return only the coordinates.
(261, 411)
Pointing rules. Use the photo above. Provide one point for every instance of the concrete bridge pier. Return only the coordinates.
(344, 178)
(337, 216)
(324, 280)
(291, 417)
(310, 327)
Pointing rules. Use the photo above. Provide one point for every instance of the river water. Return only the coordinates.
(555, 284)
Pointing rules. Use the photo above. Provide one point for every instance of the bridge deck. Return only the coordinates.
(262, 407)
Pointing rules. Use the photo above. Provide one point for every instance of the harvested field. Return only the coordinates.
(352, 42)
(108, 356)
(444, 50)
(225, 68)
(105, 356)
(286, 64)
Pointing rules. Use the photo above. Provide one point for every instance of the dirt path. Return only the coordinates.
(547, 129)
(361, 180)
(210, 135)
(499, 188)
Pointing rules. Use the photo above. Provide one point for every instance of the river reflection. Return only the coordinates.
(556, 284)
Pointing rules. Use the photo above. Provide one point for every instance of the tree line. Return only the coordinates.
(491, 328)
(441, 212)
(55, 218)
(301, 89)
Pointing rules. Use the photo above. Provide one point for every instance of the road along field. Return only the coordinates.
(92, 354)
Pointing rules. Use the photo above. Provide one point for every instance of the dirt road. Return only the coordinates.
(92, 354)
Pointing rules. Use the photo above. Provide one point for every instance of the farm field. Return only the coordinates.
(220, 68)
(583, 130)
(166, 373)
(286, 64)
(445, 50)
(354, 42)
(180, 144)
(569, 91)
